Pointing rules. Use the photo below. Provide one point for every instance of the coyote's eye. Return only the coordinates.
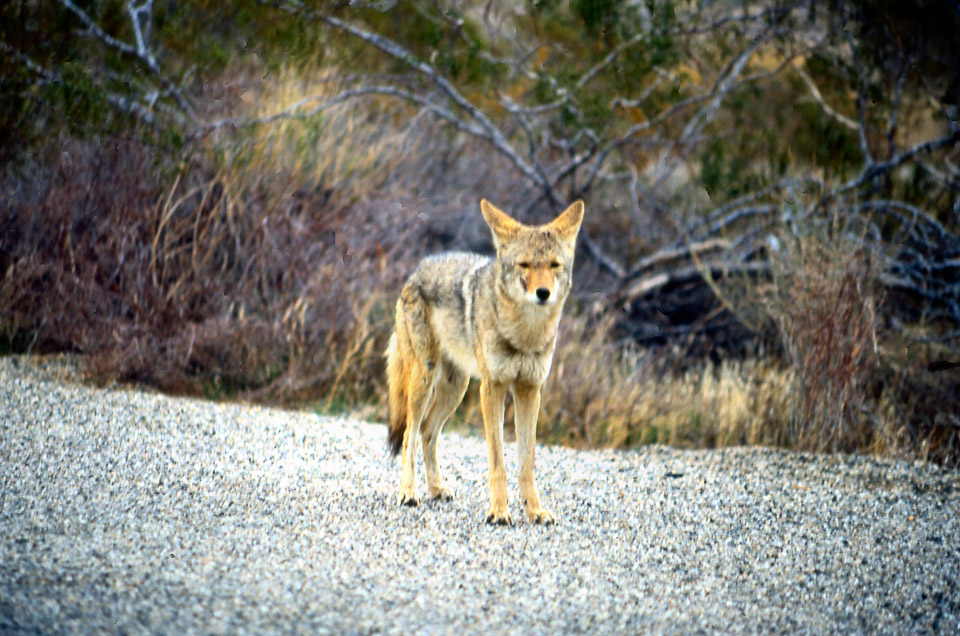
(523, 265)
(554, 265)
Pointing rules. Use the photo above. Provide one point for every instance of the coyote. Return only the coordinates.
(464, 315)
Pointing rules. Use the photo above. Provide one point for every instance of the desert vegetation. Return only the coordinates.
(222, 199)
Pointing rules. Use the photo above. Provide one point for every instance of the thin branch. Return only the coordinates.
(94, 29)
(873, 170)
(601, 257)
(662, 76)
(656, 282)
(895, 107)
(722, 87)
(663, 257)
(724, 84)
(717, 213)
(295, 110)
(49, 76)
(840, 118)
(123, 103)
(740, 20)
(391, 48)
(861, 100)
(141, 51)
(739, 214)
(609, 59)
(917, 215)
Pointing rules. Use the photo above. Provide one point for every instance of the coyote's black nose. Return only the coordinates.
(543, 293)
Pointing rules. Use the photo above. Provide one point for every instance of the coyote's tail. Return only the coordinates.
(397, 391)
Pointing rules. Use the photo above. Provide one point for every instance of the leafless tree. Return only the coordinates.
(561, 161)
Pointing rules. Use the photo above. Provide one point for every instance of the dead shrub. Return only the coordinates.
(200, 287)
(266, 265)
(822, 297)
(916, 389)
(605, 392)
(250, 267)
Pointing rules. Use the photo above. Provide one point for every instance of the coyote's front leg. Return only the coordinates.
(526, 399)
(491, 405)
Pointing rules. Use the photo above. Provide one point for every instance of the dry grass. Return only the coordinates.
(823, 299)
(345, 148)
(220, 285)
(916, 409)
(602, 394)
(265, 267)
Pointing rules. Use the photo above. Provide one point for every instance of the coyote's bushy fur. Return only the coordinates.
(463, 315)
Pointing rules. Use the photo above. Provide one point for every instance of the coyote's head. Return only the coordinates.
(534, 263)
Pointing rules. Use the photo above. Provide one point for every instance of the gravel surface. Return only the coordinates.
(127, 511)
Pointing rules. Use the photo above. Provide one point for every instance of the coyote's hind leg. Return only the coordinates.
(418, 400)
(418, 349)
(448, 391)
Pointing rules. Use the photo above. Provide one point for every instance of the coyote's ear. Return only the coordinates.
(503, 226)
(568, 224)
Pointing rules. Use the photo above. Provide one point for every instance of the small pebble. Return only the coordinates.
(122, 510)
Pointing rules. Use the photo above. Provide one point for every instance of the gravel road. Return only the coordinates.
(124, 511)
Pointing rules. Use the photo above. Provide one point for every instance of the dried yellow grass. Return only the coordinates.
(340, 146)
(614, 398)
(600, 394)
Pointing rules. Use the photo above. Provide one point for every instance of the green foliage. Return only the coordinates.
(598, 15)
(824, 142)
(16, 104)
(454, 47)
(81, 102)
(722, 170)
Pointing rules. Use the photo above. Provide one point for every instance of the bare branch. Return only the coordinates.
(861, 100)
(138, 30)
(609, 59)
(123, 103)
(669, 255)
(775, 12)
(723, 86)
(784, 184)
(656, 282)
(738, 215)
(391, 48)
(48, 75)
(889, 206)
(295, 110)
(895, 108)
(840, 118)
(873, 170)
(141, 50)
(94, 29)
(598, 255)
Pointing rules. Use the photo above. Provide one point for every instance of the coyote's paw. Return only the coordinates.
(408, 499)
(541, 517)
(441, 493)
(499, 516)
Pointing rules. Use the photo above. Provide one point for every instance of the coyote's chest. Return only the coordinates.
(462, 354)
(500, 352)
(505, 362)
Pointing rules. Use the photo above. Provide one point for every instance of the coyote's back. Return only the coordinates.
(438, 293)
